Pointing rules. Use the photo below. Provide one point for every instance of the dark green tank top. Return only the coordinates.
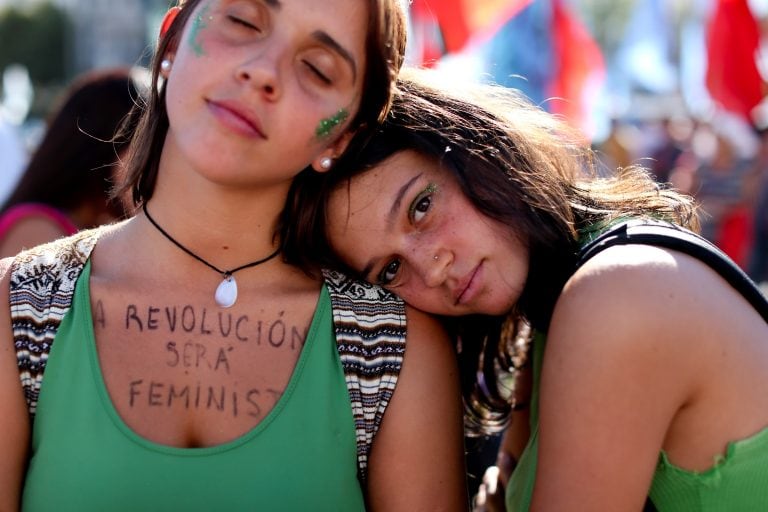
(302, 456)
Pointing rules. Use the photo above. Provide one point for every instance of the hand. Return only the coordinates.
(490, 494)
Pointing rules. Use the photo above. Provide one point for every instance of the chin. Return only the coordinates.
(499, 308)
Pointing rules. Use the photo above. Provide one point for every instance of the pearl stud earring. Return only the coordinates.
(326, 163)
(165, 65)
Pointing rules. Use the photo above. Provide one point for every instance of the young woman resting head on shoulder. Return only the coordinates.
(475, 206)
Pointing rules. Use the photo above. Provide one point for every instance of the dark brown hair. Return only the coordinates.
(518, 165)
(74, 162)
(385, 49)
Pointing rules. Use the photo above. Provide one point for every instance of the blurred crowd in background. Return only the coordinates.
(676, 85)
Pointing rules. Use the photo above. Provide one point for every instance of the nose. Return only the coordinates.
(435, 265)
(262, 72)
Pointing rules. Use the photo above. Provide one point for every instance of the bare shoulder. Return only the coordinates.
(419, 448)
(649, 315)
(644, 348)
(618, 366)
(653, 314)
(430, 356)
(642, 290)
(426, 336)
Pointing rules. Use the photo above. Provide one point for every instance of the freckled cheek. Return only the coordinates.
(419, 297)
(425, 244)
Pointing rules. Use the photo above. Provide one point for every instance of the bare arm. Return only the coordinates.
(616, 371)
(417, 459)
(14, 421)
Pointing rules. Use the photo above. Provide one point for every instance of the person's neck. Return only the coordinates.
(227, 227)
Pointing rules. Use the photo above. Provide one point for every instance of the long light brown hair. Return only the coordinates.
(518, 165)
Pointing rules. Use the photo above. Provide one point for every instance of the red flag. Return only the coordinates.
(733, 38)
(580, 68)
(459, 21)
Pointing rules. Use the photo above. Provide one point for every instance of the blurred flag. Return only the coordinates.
(644, 56)
(580, 69)
(447, 26)
(537, 46)
(521, 54)
(733, 38)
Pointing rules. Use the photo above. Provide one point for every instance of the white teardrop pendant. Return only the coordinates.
(226, 293)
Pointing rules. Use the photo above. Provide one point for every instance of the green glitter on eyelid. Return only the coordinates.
(326, 126)
(430, 189)
(198, 24)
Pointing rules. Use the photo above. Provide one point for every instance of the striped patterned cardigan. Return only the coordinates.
(369, 323)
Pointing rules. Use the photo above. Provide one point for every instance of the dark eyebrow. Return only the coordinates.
(391, 216)
(327, 40)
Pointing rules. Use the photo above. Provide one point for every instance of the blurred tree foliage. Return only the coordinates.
(37, 37)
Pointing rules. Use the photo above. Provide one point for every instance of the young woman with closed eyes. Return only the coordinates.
(187, 366)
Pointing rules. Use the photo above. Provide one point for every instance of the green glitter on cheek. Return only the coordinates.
(198, 24)
(326, 126)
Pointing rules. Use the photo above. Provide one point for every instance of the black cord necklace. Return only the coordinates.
(226, 292)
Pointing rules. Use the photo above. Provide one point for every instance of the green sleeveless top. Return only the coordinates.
(84, 457)
(737, 481)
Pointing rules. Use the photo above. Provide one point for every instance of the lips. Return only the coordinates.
(468, 286)
(237, 117)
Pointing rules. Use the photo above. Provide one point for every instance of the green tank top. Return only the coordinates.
(302, 456)
(737, 481)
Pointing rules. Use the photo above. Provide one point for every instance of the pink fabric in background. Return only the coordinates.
(16, 213)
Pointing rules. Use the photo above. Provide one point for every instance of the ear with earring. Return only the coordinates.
(326, 163)
(165, 65)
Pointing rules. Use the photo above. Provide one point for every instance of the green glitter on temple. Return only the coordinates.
(326, 126)
(198, 24)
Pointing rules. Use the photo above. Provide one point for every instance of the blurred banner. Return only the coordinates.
(537, 46)
(447, 26)
(579, 65)
(645, 57)
(733, 39)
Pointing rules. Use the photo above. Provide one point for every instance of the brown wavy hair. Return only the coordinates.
(517, 164)
(385, 50)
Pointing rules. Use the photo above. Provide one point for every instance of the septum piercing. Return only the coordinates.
(326, 162)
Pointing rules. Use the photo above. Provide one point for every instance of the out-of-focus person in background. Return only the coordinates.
(720, 184)
(66, 185)
(13, 157)
(17, 95)
(676, 134)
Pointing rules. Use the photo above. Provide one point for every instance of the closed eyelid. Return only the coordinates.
(337, 48)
